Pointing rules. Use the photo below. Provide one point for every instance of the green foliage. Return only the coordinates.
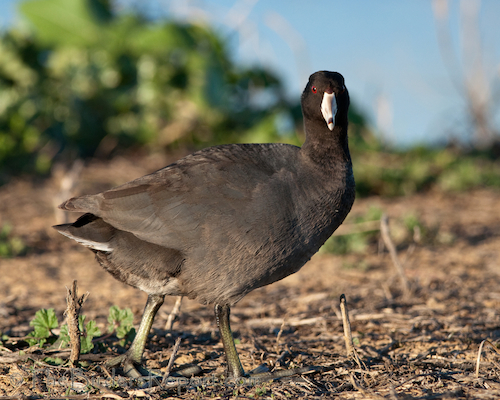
(87, 331)
(412, 224)
(412, 229)
(400, 174)
(120, 323)
(356, 242)
(10, 245)
(53, 361)
(70, 23)
(260, 391)
(43, 323)
(90, 331)
(365, 235)
(86, 81)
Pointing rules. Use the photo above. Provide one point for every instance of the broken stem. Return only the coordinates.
(74, 305)
(347, 331)
(173, 314)
(384, 230)
(171, 361)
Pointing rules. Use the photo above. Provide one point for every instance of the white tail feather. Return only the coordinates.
(101, 246)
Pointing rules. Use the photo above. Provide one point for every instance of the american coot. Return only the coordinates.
(226, 220)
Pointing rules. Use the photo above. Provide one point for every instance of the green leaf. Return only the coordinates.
(10, 246)
(87, 332)
(54, 360)
(63, 22)
(91, 331)
(156, 39)
(64, 336)
(5, 231)
(33, 339)
(128, 338)
(43, 322)
(120, 321)
(45, 319)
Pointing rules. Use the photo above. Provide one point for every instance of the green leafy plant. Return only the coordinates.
(120, 323)
(43, 323)
(260, 391)
(358, 241)
(10, 245)
(53, 360)
(86, 80)
(392, 173)
(420, 232)
(88, 332)
(91, 330)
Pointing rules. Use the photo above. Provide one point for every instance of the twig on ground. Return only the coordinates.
(478, 362)
(171, 361)
(278, 337)
(365, 392)
(409, 252)
(384, 230)
(74, 305)
(347, 326)
(347, 331)
(293, 322)
(68, 397)
(392, 393)
(12, 358)
(111, 395)
(176, 310)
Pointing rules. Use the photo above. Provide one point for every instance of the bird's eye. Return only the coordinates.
(314, 90)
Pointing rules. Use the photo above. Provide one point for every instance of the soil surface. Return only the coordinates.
(424, 343)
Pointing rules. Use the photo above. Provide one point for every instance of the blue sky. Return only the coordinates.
(388, 52)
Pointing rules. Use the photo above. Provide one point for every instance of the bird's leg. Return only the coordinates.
(235, 370)
(134, 353)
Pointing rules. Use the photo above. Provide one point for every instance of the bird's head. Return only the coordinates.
(326, 97)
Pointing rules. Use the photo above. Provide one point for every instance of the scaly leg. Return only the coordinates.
(134, 353)
(235, 370)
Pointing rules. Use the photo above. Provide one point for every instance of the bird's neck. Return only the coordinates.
(325, 147)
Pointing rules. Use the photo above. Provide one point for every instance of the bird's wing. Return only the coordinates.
(178, 204)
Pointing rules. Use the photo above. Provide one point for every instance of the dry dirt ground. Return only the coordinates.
(421, 346)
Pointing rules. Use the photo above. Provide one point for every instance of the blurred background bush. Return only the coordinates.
(86, 82)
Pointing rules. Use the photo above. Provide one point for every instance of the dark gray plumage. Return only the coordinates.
(226, 220)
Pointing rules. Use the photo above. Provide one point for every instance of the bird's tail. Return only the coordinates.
(90, 231)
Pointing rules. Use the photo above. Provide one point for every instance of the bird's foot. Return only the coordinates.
(262, 374)
(129, 365)
(285, 373)
(134, 369)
